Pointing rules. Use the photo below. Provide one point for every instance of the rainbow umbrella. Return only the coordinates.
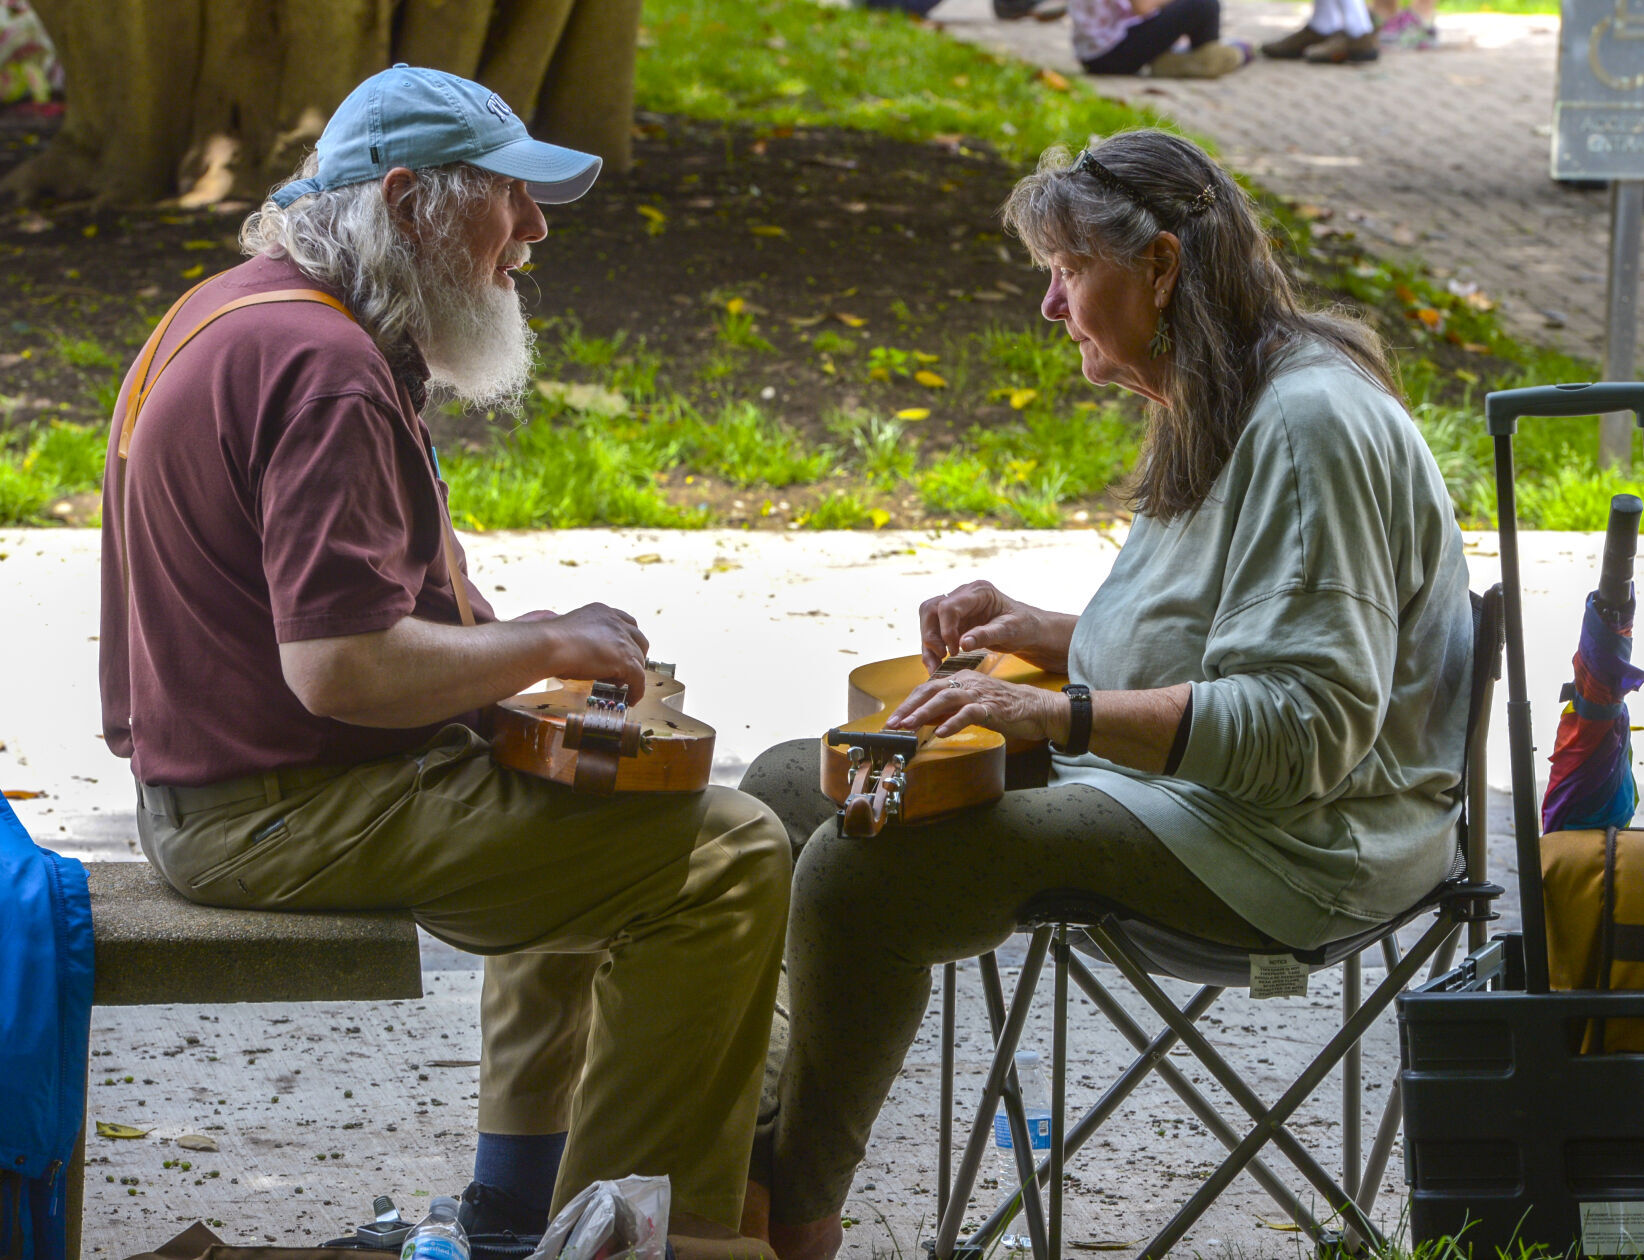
(1591, 784)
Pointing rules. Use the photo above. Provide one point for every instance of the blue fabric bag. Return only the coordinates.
(45, 1034)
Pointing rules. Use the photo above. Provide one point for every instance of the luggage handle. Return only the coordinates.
(1503, 408)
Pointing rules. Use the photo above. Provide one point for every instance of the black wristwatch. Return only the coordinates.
(1078, 730)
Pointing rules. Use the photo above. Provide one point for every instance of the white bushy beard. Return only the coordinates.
(475, 338)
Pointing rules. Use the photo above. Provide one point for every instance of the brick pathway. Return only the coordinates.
(1439, 154)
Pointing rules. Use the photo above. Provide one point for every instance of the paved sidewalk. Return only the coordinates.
(1441, 154)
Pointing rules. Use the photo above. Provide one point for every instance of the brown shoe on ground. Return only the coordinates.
(1339, 48)
(1207, 61)
(1293, 45)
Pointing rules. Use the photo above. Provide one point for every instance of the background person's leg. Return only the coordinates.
(1199, 20)
(871, 917)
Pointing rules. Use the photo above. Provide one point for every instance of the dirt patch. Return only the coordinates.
(878, 242)
(833, 246)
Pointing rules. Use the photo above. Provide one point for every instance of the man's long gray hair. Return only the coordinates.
(399, 280)
(1232, 315)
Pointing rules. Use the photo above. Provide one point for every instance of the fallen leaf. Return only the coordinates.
(805, 321)
(1313, 213)
(1430, 316)
(1475, 347)
(767, 229)
(919, 356)
(652, 213)
(1055, 82)
(1104, 1244)
(650, 557)
(1020, 398)
(194, 272)
(1405, 294)
(22, 794)
(105, 1129)
(197, 1142)
(929, 379)
(460, 1062)
(1283, 1227)
(850, 321)
(987, 295)
(913, 413)
(854, 207)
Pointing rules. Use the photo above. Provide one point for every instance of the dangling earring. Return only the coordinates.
(1160, 345)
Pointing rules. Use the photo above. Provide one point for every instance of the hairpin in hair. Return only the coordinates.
(1087, 164)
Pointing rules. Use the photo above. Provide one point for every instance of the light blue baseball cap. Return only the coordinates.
(415, 117)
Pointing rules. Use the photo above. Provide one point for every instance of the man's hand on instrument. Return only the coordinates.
(967, 698)
(598, 642)
(979, 615)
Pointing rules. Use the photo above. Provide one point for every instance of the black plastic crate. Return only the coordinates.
(1511, 1134)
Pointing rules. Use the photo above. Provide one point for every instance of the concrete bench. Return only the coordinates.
(154, 946)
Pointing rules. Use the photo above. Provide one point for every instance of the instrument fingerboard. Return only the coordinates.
(959, 661)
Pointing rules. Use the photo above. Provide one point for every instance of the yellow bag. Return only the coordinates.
(1593, 890)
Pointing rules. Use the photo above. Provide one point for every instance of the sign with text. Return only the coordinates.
(1598, 117)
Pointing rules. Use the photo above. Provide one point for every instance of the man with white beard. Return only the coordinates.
(295, 661)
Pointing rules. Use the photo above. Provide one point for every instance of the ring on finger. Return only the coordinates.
(954, 683)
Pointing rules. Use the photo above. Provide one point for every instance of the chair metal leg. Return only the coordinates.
(1058, 1095)
(1000, 1085)
(944, 1153)
(1196, 1102)
(1153, 1055)
(1381, 1149)
(1021, 1139)
(1270, 1121)
(1352, 1082)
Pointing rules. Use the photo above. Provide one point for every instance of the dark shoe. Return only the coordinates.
(487, 1210)
(1293, 45)
(1039, 10)
(1339, 48)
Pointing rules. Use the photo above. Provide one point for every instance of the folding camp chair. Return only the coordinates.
(1140, 949)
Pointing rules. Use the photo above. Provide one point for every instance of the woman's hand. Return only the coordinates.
(979, 615)
(967, 698)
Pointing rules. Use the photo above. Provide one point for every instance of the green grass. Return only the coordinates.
(799, 64)
(46, 463)
(1546, 7)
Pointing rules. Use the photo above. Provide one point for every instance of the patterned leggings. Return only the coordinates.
(869, 918)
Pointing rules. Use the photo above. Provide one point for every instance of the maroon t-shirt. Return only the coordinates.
(279, 487)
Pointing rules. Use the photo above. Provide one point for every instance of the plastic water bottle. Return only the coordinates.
(1030, 1074)
(439, 1235)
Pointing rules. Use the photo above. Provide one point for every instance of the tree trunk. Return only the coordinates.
(210, 100)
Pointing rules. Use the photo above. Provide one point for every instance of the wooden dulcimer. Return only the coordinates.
(877, 776)
(586, 736)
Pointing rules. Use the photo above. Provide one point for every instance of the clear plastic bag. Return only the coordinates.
(611, 1220)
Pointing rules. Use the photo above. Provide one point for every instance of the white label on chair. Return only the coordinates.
(1612, 1229)
(1277, 975)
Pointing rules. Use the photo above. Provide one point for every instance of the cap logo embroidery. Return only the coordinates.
(498, 106)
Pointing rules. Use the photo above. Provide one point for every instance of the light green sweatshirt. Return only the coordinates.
(1318, 604)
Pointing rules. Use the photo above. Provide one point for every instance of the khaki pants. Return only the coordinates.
(633, 941)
